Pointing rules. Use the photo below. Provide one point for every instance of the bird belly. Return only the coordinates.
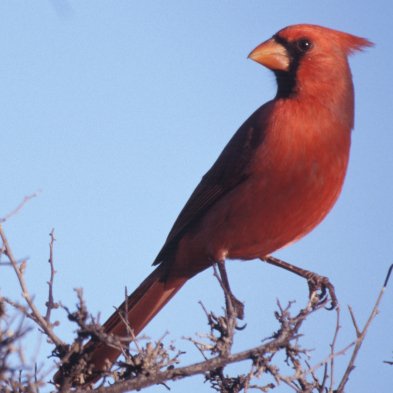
(262, 215)
(274, 213)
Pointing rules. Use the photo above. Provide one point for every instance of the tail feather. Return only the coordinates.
(142, 305)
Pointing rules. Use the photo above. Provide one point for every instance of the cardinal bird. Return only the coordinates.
(276, 179)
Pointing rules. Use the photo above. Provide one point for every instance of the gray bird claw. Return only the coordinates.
(321, 287)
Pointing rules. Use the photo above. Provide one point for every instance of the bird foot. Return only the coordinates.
(319, 288)
(233, 304)
(237, 306)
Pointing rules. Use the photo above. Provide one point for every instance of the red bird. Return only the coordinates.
(276, 179)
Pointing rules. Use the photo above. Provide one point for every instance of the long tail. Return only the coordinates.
(142, 305)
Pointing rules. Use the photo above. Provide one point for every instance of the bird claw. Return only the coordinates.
(320, 288)
(238, 306)
(240, 328)
(233, 304)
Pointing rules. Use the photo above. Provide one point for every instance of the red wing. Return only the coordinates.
(230, 169)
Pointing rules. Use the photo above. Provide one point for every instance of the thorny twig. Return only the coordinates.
(333, 347)
(15, 374)
(50, 304)
(361, 334)
(257, 355)
(26, 199)
(261, 357)
(34, 313)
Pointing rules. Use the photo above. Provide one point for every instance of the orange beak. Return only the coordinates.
(271, 55)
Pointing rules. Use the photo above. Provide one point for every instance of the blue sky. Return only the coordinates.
(114, 110)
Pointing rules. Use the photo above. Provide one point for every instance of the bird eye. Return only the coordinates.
(303, 45)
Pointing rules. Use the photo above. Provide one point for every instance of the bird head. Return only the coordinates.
(301, 54)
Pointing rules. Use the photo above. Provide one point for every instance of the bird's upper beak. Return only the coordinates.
(272, 55)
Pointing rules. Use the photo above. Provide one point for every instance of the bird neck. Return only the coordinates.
(331, 91)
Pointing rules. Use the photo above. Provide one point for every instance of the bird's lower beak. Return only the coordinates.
(272, 55)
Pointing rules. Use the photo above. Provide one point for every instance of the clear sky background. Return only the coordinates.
(115, 109)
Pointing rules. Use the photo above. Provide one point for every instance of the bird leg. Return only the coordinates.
(315, 281)
(236, 304)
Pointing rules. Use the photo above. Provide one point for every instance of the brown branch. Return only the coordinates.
(35, 313)
(332, 348)
(281, 339)
(361, 334)
(50, 304)
(260, 358)
(26, 199)
(194, 369)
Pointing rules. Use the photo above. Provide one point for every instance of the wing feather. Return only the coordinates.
(230, 169)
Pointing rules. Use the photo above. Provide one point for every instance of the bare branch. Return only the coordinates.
(258, 356)
(361, 334)
(50, 304)
(26, 199)
(35, 313)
